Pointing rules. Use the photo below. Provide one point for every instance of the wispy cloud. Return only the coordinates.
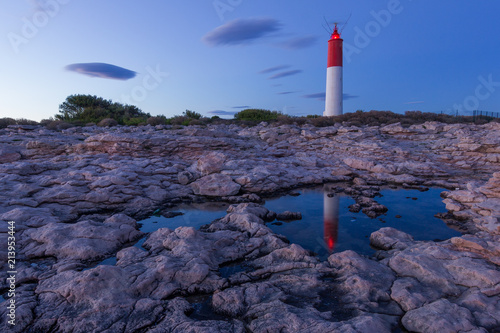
(222, 113)
(319, 96)
(298, 43)
(349, 96)
(102, 70)
(416, 102)
(322, 96)
(274, 69)
(284, 74)
(286, 92)
(241, 107)
(241, 31)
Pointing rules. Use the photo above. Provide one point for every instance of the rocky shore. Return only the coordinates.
(76, 196)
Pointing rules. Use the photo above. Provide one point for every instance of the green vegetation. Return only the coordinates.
(4, 122)
(257, 115)
(84, 109)
(80, 110)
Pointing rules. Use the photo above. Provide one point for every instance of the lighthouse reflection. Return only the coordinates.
(330, 221)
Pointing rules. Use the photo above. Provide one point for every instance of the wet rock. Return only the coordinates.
(289, 216)
(390, 238)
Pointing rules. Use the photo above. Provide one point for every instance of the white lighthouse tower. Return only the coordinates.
(334, 89)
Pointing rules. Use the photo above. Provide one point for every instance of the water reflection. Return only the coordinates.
(330, 220)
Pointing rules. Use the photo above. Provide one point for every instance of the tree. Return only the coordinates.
(88, 108)
(192, 114)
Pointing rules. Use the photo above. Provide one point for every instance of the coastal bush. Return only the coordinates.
(179, 120)
(88, 108)
(192, 114)
(4, 122)
(56, 125)
(257, 115)
(159, 120)
(188, 118)
(108, 122)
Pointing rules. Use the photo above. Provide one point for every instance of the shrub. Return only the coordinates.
(179, 120)
(4, 122)
(133, 121)
(160, 120)
(23, 121)
(322, 121)
(108, 122)
(192, 114)
(88, 108)
(55, 125)
(195, 122)
(257, 115)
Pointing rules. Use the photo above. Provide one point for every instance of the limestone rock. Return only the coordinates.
(215, 185)
(390, 238)
(211, 163)
(440, 317)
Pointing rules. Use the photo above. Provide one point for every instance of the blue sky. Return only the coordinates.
(218, 57)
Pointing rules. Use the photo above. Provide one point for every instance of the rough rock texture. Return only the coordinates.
(75, 197)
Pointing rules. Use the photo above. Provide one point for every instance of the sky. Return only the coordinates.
(217, 57)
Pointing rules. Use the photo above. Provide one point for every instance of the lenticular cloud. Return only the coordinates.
(240, 31)
(102, 70)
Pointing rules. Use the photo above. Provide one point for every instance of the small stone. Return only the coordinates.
(289, 216)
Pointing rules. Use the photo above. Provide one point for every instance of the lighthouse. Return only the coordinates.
(334, 90)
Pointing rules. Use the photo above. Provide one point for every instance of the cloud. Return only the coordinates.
(322, 96)
(274, 69)
(416, 102)
(241, 31)
(349, 96)
(318, 96)
(284, 74)
(102, 70)
(222, 113)
(298, 43)
(286, 93)
(241, 107)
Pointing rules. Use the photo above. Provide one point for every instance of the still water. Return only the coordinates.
(327, 225)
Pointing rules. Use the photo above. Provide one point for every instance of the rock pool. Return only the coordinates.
(327, 225)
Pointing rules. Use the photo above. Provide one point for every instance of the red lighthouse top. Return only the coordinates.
(335, 49)
(336, 34)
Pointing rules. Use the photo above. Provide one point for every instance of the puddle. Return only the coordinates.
(225, 271)
(328, 226)
(194, 216)
(109, 261)
(202, 308)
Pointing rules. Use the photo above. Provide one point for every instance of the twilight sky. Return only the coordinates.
(217, 57)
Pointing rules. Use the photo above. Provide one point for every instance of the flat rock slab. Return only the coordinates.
(215, 185)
